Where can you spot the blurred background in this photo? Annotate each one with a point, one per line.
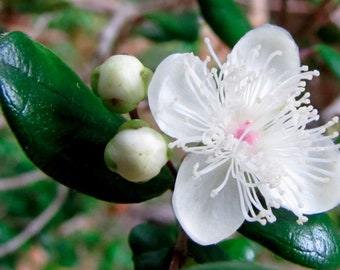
(45, 226)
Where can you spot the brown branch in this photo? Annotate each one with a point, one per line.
(21, 180)
(180, 251)
(319, 17)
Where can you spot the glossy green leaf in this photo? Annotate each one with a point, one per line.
(152, 246)
(61, 125)
(205, 254)
(240, 249)
(315, 244)
(331, 57)
(226, 19)
(166, 26)
(228, 266)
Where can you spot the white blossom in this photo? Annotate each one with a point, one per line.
(245, 127)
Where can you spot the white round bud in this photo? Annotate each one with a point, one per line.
(121, 82)
(137, 154)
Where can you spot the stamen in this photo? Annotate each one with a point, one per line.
(212, 52)
(208, 168)
(302, 219)
(217, 190)
(271, 57)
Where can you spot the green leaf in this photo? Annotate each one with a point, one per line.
(331, 57)
(228, 266)
(166, 26)
(154, 55)
(240, 249)
(204, 254)
(61, 125)
(152, 246)
(226, 19)
(35, 6)
(315, 244)
(329, 33)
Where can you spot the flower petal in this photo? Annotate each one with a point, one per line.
(308, 191)
(271, 51)
(176, 96)
(318, 196)
(206, 220)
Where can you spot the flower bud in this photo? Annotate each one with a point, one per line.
(121, 82)
(137, 153)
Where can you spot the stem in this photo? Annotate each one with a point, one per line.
(306, 53)
(283, 13)
(134, 114)
(173, 170)
(318, 18)
(180, 251)
(21, 180)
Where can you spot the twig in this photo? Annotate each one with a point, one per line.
(259, 12)
(3, 122)
(318, 18)
(111, 31)
(180, 251)
(21, 180)
(134, 114)
(36, 225)
(306, 53)
(283, 13)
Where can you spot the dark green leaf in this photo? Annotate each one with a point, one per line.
(148, 237)
(329, 33)
(204, 254)
(34, 6)
(152, 246)
(315, 244)
(153, 56)
(153, 260)
(331, 57)
(228, 266)
(240, 249)
(166, 26)
(226, 19)
(61, 125)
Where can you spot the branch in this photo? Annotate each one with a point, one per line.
(319, 17)
(36, 225)
(3, 122)
(180, 251)
(112, 30)
(21, 180)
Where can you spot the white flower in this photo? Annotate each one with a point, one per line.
(245, 128)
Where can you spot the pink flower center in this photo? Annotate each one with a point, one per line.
(242, 132)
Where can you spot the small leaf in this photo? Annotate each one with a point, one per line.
(152, 246)
(331, 57)
(240, 249)
(204, 254)
(226, 19)
(315, 244)
(166, 26)
(61, 125)
(228, 266)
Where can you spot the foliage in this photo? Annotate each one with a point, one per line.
(63, 129)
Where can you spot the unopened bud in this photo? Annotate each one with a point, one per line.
(137, 153)
(121, 82)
